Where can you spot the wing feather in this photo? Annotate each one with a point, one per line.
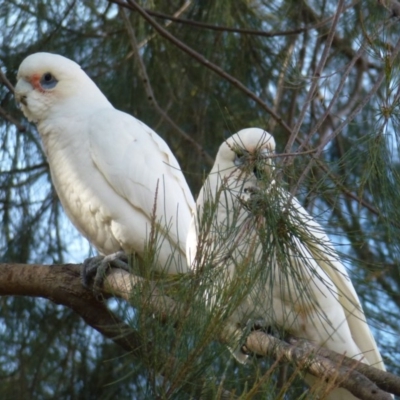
(137, 164)
(326, 256)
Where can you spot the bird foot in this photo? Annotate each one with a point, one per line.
(95, 268)
(262, 325)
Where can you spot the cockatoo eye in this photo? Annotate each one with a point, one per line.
(48, 81)
(257, 173)
(239, 157)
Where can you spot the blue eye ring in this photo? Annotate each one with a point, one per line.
(48, 81)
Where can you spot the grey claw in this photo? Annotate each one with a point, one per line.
(95, 268)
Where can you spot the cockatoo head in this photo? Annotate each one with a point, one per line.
(247, 152)
(47, 81)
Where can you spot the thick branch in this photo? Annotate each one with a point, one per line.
(121, 283)
(62, 285)
(385, 380)
(315, 361)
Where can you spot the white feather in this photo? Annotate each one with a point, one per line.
(108, 168)
(283, 268)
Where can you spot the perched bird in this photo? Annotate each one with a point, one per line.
(117, 180)
(265, 261)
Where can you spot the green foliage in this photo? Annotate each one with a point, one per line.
(350, 184)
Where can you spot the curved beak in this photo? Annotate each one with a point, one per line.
(21, 90)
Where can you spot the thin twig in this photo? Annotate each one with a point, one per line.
(393, 6)
(150, 94)
(242, 31)
(288, 52)
(6, 82)
(338, 91)
(317, 74)
(346, 122)
(202, 60)
(176, 14)
(295, 154)
(26, 169)
(3, 112)
(11, 119)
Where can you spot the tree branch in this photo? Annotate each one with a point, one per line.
(6, 82)
(384, 380)
(391, 5)
(4, 114)
(150, 94)
(317, 73)
(242, 31)
(326, 364)
(367, 97)
(62, 285)
(202, 60)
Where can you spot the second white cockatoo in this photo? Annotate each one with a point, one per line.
(264, 260)
(116, 178)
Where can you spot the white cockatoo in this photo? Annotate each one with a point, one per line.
(115, 177)
(264, 260)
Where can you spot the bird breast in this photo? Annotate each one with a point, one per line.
(91, 204)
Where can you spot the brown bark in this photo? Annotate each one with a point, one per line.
(62, 285)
